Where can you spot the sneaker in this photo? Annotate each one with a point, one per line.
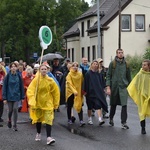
(101, 122)
(73, 119)
(111, 122)
(1, 120)
(82, 123)
(125, 126)
(50, 140)
(38, 137)
(9, 124)
(15, 128)
(90, 122)
(69, 121)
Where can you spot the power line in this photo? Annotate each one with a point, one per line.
(141, 5)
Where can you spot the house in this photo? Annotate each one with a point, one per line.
(82, 38)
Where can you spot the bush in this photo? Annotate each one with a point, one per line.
(147, 54)
(135, 63)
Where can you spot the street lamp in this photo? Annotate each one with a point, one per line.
(119, 36)
(98, 30)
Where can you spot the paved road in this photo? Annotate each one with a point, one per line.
(77, 138)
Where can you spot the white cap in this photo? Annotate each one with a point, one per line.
(36, 66)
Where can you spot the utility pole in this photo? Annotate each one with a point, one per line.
(119, 36)
(98, 30)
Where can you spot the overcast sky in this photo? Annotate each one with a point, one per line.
(89, 1)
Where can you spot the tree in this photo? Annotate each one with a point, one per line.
(147, 54)
(21, 20)
(65, 18)
(19, 25)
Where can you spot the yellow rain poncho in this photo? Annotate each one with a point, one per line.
(74, 85)
(43, 100)
(139, 91)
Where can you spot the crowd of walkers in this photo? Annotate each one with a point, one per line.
(41, 89)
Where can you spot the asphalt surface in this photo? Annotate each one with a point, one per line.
(73, 137)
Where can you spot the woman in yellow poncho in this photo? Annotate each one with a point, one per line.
(139, 91)
(44, 96)
(74, 95)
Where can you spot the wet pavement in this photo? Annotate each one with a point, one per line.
(73, 137)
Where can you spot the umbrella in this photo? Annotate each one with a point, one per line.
(50, 56)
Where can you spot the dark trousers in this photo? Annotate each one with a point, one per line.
(1, 108)
(142, 123)
(123, 113)
(70, 103)
(48, 128)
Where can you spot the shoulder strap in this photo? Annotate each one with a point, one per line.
(127, 64)
(114, 64)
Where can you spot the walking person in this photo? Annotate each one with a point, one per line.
(93, 88)
(74, 96)
(56, 71)
(84, 66)
(117, 79)
(26, 82)
(65, 70)
(12, 93)
(102, 70)
(2, 76)
(44, 96)
(139, 91)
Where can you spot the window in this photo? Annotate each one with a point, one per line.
(82, 29)
(88, 26)
(93, 52)
(88, 53)
(126, 22)
(68, 53)
(72, 54)
(82, 52)
(140, 22)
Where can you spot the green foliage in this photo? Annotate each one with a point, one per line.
(20, 21)
(147, 54)
(19, 24)
(135, 63)
(65, 17)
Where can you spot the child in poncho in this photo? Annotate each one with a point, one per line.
(139, 91)
(43, 97)
(74, 96)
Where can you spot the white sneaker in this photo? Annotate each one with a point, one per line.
(90, 122)
(38, 137)
(50, 140)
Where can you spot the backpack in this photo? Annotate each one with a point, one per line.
(114, 64)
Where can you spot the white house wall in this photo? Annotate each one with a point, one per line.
(85, 41)
(93, 41)
(78, 42)
(73, 43)
(131, 42)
